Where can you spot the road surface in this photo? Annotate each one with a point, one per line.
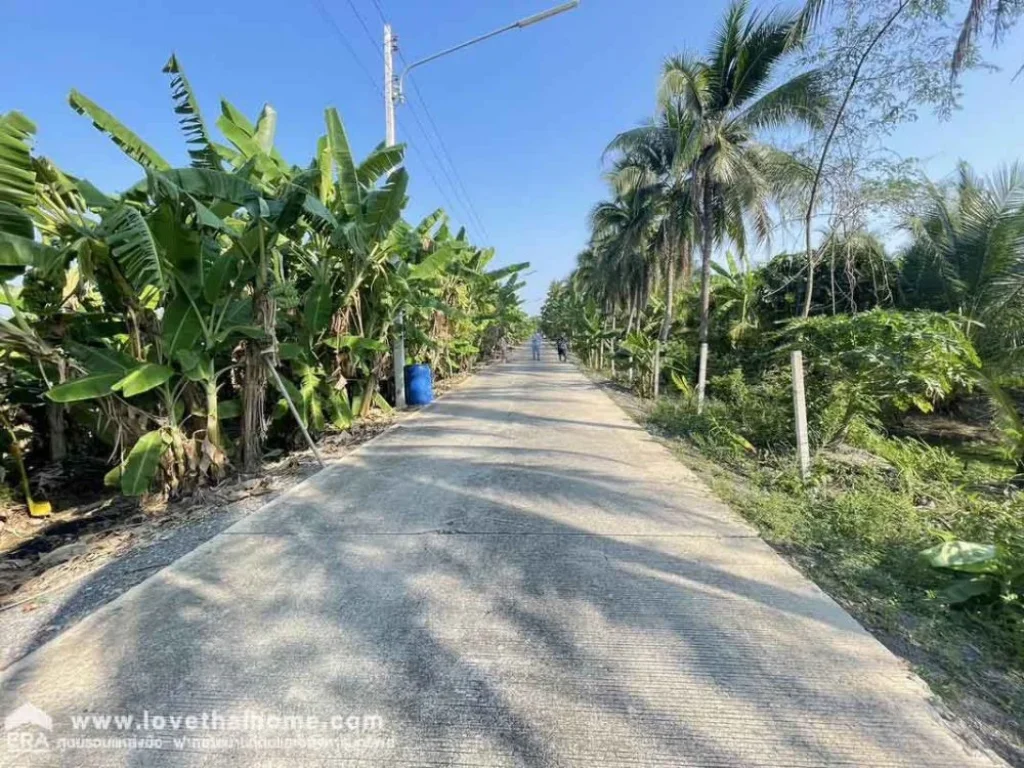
(518, 576)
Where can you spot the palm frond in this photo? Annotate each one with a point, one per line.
(686, 79)
(764, 43)
(802, 100)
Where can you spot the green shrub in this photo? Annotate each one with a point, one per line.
(711, 430)
(879, 364)
(761, 412)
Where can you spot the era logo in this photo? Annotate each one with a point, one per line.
(26, 729)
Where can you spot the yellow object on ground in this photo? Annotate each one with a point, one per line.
(39, 508)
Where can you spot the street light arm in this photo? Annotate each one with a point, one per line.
(453, 49)
(521, 24)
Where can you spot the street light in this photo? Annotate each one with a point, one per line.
(392, 95)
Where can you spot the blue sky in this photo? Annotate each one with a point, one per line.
(525, 116)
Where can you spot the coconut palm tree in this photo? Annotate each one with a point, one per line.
(648, 161)
(967, 257)
(726, 100)
(622, 230)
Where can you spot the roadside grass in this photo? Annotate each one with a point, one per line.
(857, 528)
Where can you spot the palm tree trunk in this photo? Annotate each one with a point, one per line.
(666, 324)
(635, 313)
(706, 245)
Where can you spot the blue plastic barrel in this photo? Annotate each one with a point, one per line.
(419, 384)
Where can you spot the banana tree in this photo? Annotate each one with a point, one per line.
(151, 317)
(350, 264)
(184, 307)
(736, 290)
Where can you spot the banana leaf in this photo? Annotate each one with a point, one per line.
(142, 463)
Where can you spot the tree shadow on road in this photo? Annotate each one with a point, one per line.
(496, 603)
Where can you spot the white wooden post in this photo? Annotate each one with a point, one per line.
(702, 376)
(800, 412)
(657, 369)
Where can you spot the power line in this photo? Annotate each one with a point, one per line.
(373, 81)
(380, 12)
(467, 208)
(344, 40)
(457, 186)
(366, 29)
(447, 154)
(440, 164)
(433, 178)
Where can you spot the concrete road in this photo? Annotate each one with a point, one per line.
(518, 576)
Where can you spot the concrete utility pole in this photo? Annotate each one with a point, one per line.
(392, 96)
(390, 43)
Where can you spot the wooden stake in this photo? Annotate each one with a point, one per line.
(294, 410)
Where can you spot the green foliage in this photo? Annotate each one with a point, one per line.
(201, 148)
(143, 461)
(865, 516)
(739, 417)
(84, 388)
(147, 319)
(142, 379)
(851, 274)
(995, 572)
(882, 362)
(127, 140)
(17, 177)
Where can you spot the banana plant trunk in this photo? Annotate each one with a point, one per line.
(254, 388)
(368, 396)
(56, 422)
(705, 292)
(212, 415)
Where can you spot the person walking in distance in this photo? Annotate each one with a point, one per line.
(563, 349)
(503, 348)
(535, 342)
